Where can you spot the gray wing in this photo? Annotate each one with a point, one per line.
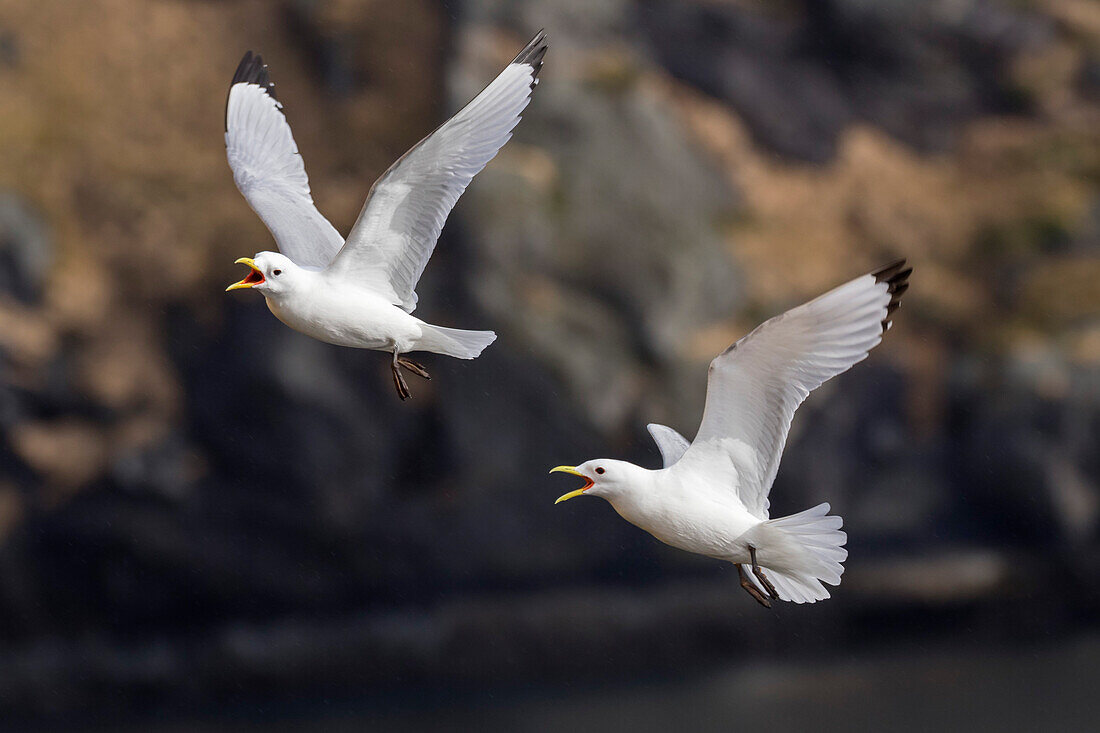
(268, 170)
(755, 386)
(400, 222)
(671, 444)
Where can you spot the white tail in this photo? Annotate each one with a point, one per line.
(454, 342)
(799, 552)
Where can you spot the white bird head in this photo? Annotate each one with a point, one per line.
(271, 273)
(604, 477)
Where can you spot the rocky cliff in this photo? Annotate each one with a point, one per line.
(194, 499)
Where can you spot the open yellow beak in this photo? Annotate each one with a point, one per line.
(575, 472)
(254, 278)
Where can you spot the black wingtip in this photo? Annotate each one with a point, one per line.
(532, 55)
(896, 277)
(251, 70)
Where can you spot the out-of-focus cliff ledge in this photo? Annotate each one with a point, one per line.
(111, 132)
(174, 460)
(997, 210)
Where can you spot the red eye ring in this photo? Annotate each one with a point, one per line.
(599, 470)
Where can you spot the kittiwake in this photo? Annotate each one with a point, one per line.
(711, 496)
(360, 292)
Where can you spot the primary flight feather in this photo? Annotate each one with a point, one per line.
(361, 292)
(711, 496)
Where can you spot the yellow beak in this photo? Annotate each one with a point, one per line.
(254, 278)
(575, 472)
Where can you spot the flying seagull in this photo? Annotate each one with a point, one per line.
(711, 496)
(360, 292)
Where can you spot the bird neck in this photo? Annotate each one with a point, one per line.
(634, 491)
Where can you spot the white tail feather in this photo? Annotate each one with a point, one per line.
(454, 342)
(800, 551)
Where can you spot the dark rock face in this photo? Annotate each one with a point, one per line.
(799, 75)
(252, 519)
(25, 250)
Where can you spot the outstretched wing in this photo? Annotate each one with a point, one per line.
(269, 171)
(671, 444)
(407, 207)
(755, 386)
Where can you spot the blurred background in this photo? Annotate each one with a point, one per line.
(211, 522)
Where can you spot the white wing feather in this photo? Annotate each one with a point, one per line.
(671, 444)
(755, 386)
(269, 171)
(405, 211)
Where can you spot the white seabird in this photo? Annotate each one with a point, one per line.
(360, 292)
(711, 497)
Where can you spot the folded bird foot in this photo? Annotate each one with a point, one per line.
(399, 384)
(413, 367)
(398, 379)
(749, 586)
(759, 573)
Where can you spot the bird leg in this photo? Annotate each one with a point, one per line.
(413, 367)
(751, 587)
(398, 380)
(759, 573)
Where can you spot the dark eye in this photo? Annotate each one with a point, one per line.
(276, 273)
(599, 470)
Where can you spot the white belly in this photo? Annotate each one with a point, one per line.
(354, 318)
(691, 520)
